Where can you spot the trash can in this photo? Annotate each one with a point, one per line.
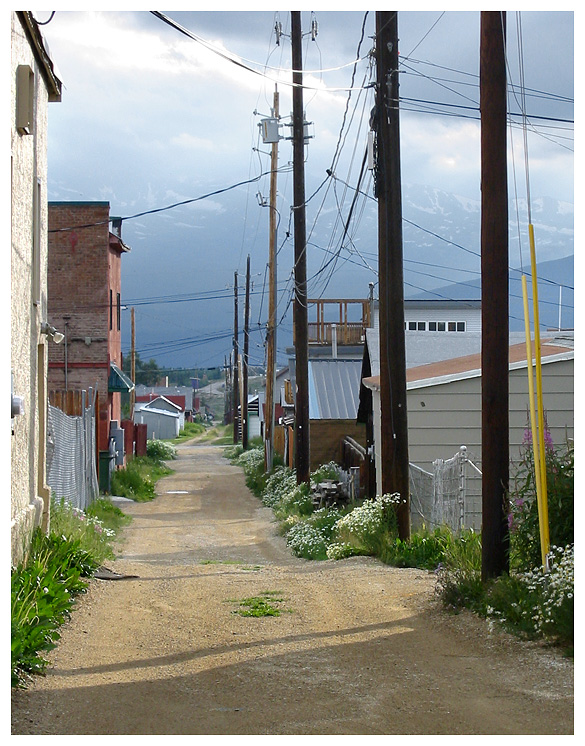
(105, 471)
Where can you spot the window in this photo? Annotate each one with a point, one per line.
(412, 326)
(111, 310)
(432, 326)
(461, 326)
(421, 326)
(440, 326)
(118, 309)
(451, 326)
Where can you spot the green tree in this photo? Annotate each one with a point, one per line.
(147, 374)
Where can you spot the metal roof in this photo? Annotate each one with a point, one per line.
(334, 387)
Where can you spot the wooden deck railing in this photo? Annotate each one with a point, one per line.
(320, 332)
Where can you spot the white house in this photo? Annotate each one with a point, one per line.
(444, 402)
(162, 418)
(34, 83)
(162, 403)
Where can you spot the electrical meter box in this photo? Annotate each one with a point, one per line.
(269, 129)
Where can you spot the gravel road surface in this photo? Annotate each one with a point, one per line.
(358, 649)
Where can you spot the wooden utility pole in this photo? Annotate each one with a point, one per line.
(271, 325)
(302, 446)
(132, 362)
(395, 469)
(245, 359)
(235, 376)
(226, 405)
(494, 295)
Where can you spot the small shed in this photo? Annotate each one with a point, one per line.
(162, 424)
(334, 386)
(168, 405)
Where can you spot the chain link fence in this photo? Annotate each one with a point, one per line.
(71, 456)
(450, 495)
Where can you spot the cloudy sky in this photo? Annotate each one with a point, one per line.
(163, 121)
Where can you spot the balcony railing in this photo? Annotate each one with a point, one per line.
(321, 332)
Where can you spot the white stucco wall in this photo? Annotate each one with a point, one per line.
(29, 495)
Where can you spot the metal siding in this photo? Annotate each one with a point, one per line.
(452, 414)
(334, 389)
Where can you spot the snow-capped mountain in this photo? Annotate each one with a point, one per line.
(441, 235)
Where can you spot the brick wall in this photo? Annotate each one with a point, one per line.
(84, 283)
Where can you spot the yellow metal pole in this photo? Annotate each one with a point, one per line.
(540, 406)
(533, 425)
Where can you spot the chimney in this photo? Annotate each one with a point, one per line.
(117, 226)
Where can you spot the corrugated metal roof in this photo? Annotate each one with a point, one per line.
(334, 387)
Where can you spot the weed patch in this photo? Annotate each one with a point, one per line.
(56, 570)
(137, 480)
(265, 604)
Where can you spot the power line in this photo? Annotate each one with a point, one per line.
(167, 207)
(238, 63)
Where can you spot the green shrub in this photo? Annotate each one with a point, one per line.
(424, 549)
(137, 480)
(296, 501)
(42, 596)
(459, 582)
(109, 515)
(307, 541)
(252, 462)
(95, 528)
(325, 472)
(371, 526)
(233, 452)
(523, 518)
(190, 430)
(340, 550)
(279, 484)
(537, 604)
(160, 450)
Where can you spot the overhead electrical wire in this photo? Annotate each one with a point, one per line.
(329, 180)
(173, 206)
(235, 61)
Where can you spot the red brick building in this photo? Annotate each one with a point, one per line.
(84, 302)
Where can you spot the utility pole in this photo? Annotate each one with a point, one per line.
(271, 325)
(395, 469)
(235, 376)
(132, 362)
(302, 459)
(226, 406)
(245, 360)
(494, 295)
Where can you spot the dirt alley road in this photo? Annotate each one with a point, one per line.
(361, 648)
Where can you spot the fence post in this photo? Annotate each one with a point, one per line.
(462, 456)
(437, 506)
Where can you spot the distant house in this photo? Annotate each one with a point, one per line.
(84, 281)
(442, 315)
(171, 403)
(34, 83)
(255, 415)
(162, 403)
(444, 402)
(161, 417)
(184, 396)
